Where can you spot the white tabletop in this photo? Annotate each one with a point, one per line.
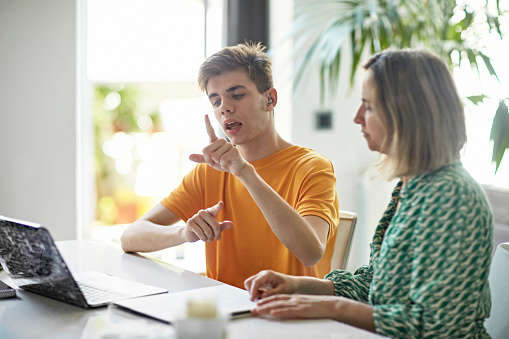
(34, 316)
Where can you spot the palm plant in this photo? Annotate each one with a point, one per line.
(326, 29)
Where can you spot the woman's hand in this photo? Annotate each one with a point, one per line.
(298, 306)
(267, 283)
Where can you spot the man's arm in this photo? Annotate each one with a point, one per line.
(151, 232)
(305, 237)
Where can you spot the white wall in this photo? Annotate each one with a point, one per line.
(360, 189)
(38, 77)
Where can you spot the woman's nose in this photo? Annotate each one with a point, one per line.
(358, 117)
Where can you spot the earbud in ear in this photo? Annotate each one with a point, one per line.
(269, 101)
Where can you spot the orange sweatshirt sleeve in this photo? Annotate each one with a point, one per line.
(318, 195)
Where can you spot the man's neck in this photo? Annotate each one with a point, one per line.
(263, 147)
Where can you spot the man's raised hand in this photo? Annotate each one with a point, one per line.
(220, 154)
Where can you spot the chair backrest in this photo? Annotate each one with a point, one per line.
(346, 227)
(497, 324)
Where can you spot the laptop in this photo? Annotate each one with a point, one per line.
(30, 257)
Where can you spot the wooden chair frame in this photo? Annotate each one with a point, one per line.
(346, 228)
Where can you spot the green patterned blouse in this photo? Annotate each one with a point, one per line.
(428, 270)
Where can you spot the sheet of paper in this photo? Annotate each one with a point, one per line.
(166, 307)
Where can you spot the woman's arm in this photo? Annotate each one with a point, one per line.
(309, 306)
(352, 286)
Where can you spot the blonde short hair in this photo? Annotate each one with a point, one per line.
(248, 56)
(420, 110)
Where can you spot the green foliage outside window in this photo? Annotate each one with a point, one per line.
(116, 110)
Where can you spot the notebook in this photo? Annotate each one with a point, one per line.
(230, 300)
(30, 257)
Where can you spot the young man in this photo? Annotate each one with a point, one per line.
(258, 201)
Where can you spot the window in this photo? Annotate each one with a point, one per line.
(142, 61)
(476, 156)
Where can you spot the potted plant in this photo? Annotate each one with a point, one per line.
(323, 28)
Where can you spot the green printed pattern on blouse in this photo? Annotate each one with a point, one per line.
(429, 263)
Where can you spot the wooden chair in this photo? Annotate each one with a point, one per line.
(346, 228)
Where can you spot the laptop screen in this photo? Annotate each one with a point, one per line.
(32, 260)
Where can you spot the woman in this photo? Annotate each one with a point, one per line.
(430, 256)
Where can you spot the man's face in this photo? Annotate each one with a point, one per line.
(239, 108)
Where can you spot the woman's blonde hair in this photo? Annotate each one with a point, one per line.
(249, 56)
(420, 110)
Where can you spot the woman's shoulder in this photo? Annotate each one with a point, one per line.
(446, 178)
(448, 183)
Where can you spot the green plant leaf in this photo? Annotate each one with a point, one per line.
(304, 61)
(499, 133)
(489, 66)
(356, 56)
(335, 74)
(322, 83)
(467, 21)
(477, 99)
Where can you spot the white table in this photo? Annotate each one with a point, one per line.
(34, 316)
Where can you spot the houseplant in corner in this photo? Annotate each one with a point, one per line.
(326, 30)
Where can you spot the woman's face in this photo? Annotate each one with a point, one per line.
(368, 114)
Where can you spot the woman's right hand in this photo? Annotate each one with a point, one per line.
(267, 283)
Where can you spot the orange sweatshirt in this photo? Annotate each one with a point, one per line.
(299, 175)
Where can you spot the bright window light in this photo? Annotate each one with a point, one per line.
(155, 40)
(476, 155)
(142, 60)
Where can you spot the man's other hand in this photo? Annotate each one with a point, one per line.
(204, 226)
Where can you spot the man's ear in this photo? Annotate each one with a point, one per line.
(271, 94)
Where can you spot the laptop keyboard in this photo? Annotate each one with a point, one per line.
(98, 296)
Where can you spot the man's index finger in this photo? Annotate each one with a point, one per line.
(210, 129)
